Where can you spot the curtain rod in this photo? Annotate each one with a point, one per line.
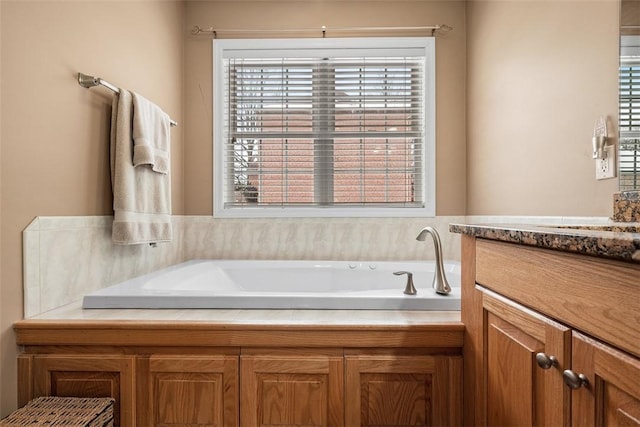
(196, 30)
(87, 81)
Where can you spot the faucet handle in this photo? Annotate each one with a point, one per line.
(409, 288)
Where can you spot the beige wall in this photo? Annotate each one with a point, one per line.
(1, 205)
(539, 75)
(55, 133)
(450, 78)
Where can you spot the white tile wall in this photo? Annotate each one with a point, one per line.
(330, 238)
(67, 257)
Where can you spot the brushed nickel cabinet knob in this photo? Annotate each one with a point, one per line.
(545, 361)
(574, 380)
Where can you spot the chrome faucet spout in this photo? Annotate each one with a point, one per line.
(440, 283)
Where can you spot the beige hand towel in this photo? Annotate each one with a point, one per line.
(141, 197)
(151, 135)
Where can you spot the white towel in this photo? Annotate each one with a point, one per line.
(151, 135)
(141, 197)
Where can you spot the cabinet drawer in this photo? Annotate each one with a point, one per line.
(579, 291)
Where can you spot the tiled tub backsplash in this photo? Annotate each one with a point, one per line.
(310, 238)
(68, 257)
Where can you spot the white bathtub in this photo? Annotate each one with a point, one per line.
(282, 285)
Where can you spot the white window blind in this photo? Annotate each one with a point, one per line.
(629, 153)
(323, 127)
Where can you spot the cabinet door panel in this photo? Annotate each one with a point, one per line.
(291, 391)
(403, 390)
(612, 395)
(292, 399)
(184, 399)
(188, 390)
(518, 391)
(620, 408)
(85, 384)
(88, 376)
(395, 399)
(511, 374)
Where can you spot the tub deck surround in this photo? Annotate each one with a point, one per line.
(314, 329)
(71, 324)
(618, 241)
(74, 312)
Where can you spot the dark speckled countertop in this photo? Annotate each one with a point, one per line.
(619, 241)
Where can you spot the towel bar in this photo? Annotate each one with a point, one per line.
(87, 81)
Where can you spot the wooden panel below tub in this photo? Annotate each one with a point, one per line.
(149, 366)
(202, 334)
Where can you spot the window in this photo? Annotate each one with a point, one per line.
(629, 92)
(324, 127)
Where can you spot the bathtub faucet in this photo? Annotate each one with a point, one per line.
(440, 283)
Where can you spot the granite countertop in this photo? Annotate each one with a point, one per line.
(619, 241)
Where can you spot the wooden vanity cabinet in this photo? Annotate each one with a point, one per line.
(521, 307)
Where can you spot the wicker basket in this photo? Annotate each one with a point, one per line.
(63, 411)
